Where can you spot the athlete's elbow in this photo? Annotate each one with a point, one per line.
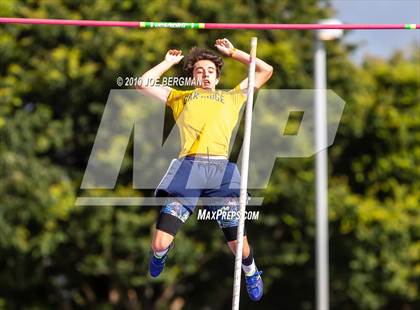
(266, 71)
(263, 76)
(269, 71)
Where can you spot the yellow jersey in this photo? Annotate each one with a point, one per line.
(206, 119)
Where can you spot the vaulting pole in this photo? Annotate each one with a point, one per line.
(244, 176)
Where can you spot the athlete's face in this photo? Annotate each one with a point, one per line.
(206, 75)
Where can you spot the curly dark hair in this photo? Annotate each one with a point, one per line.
(198, 53)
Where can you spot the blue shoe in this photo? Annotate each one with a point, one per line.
(156, 265)
(254, 286)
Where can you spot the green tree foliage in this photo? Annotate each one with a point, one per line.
(375, 194)
(54, 84)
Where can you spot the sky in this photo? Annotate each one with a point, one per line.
(379, 42)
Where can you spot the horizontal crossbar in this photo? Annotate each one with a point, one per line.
(103, 23)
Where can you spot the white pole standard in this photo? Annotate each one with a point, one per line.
(321, 179)
(244, 177)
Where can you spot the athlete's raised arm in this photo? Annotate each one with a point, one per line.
(263, 70)
(146, 86)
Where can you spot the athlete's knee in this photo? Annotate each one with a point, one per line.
(161, 241)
